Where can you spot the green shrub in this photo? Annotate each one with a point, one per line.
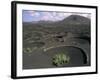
(27, 50)
(60, 59)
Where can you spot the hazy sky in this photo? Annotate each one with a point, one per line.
(31, 16)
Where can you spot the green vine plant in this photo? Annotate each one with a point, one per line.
(29, 49)
(60, 59)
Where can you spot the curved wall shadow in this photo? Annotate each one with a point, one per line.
(82, 51)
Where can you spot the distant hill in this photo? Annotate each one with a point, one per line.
(73, 23)
(76, 19)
